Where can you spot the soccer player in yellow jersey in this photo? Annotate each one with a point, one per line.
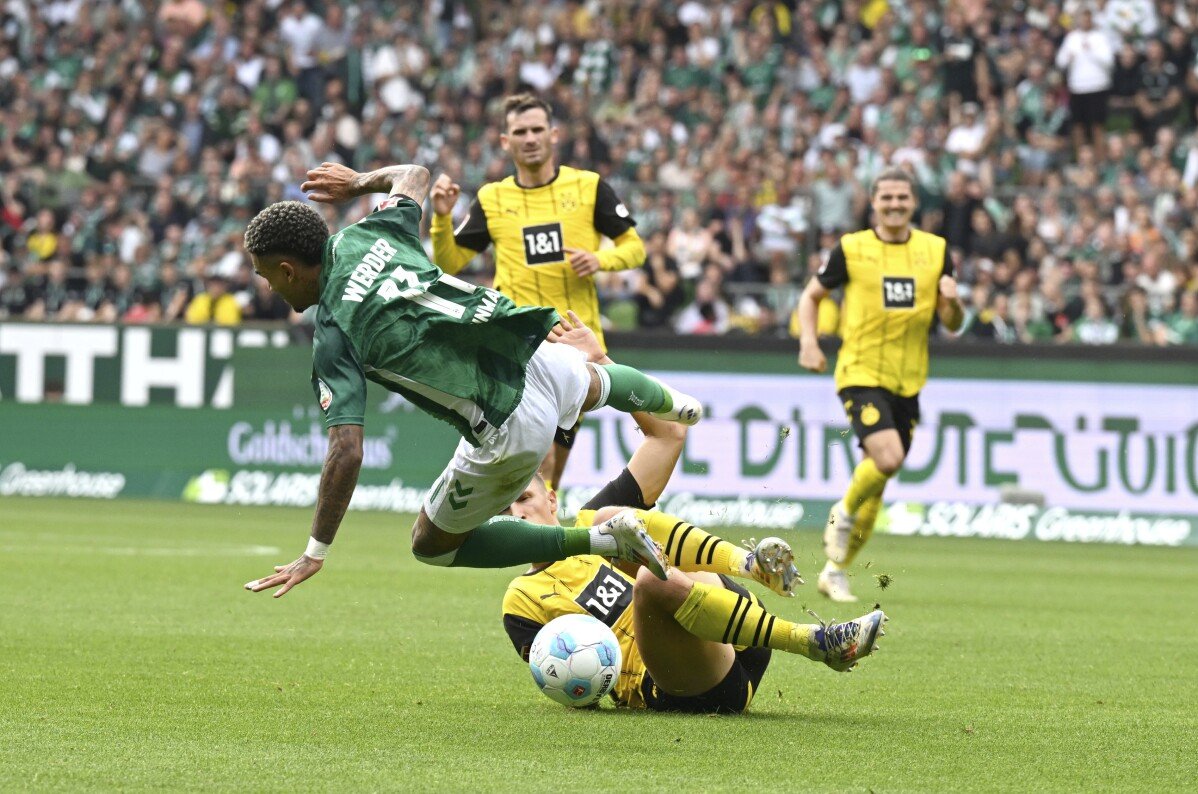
(696, 642)
(546, 223)
(896, 280)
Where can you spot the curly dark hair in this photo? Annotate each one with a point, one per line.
(288, 228)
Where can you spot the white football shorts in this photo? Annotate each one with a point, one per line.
(481, 482)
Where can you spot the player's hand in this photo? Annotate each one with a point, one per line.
(572, 331)
(811, 358)
(331, 183)
(948, 287)
(444, 194)
(585, 263)
(287, 575)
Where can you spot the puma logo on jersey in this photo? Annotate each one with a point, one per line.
(368, 270)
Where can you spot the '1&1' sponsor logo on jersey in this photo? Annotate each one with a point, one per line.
(326, 395)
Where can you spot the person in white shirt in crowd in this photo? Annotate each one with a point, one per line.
(1088, 59)
(967, 140)
(782, 224)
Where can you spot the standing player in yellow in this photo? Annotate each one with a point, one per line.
(546, 222)
(896, 280)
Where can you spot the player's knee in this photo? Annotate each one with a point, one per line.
(889, 461)
(430, 544)
(660, 594)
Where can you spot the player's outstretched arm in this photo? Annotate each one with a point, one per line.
(333, 183)
(338, 478)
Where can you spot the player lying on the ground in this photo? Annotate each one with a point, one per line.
(697, 641)
(463, 353)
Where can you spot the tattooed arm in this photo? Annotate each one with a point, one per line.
(332, 183)
(342, 463)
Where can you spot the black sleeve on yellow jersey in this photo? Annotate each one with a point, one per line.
(948, 263)
(472, 231)
(623, 491)
(835, 271)
(612, 218)
(522, 632)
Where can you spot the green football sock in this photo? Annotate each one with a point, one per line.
(629, 390)
(504, 541)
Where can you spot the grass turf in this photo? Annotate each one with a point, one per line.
(133, 660)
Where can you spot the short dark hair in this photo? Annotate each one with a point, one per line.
(518, 103)
(893, 174)
(288, 228)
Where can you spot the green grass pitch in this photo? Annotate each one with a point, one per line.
(131, 658)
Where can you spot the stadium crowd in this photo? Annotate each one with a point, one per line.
(1054, 145)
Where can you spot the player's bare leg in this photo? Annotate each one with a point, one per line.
(554, 464)
(680, 663)
(561, 454)
(430, 541)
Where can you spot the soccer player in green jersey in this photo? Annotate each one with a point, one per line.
(463, 353)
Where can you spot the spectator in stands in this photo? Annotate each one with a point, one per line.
(1094, 327)
(215, 304)
(722, 107)
(1181, 327)
(1088, 59)
(659, 292)
(708, 314)
(1159, 96)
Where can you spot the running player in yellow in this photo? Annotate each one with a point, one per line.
(696, 642)
(546, 223)
(896, 280)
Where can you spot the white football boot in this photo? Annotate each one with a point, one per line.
(834, 583)
(771, 562)
(633, 543)
(845, 644)
(685, 409)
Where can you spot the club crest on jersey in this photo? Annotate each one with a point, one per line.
(326, 395)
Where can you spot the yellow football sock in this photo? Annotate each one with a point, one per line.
(719, 615)
(689, 548)
(867, 483)
(863, 527)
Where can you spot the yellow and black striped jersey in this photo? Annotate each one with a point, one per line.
(531, 229)
(891, 291)
(584, 585)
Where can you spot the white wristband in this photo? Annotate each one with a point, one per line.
(316, 549)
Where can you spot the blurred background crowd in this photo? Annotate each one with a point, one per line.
(1054, 145)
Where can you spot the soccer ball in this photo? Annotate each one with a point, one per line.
(575, 660)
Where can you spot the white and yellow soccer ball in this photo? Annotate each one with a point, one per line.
(575, 660)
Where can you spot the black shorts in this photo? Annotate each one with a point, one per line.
(1089, 109)
(730, 696)
(871, 409)
(564, 437)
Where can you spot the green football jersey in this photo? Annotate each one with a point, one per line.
(388, 314)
